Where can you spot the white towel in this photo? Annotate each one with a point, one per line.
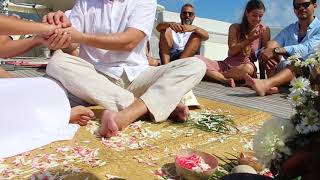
(33, 112)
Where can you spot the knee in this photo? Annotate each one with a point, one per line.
(56, 63)
(248, 69)
(195, 38)
(198, 66)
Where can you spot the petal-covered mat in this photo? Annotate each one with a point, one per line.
(138, 153)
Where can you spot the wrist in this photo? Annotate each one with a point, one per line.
(84, 39)
(279, 51)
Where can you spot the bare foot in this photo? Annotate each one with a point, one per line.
(273, 90)
(230, 82)
(256, 84)
(81, 115)
(180, 114)
(111, 123)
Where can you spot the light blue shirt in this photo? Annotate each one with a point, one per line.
(288, 39)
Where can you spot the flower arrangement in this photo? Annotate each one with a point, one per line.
(212, 121)
(277, 140)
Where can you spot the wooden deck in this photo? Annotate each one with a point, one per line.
(277, 105)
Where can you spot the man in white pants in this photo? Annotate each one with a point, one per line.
(113, 71)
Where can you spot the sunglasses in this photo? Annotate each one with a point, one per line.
(188, 13)
(305, 5)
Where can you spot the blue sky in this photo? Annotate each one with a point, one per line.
(278, 12)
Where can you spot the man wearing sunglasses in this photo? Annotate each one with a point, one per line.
(180, 40)
(299, 38)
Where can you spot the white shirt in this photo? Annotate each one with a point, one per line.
(180, 40)
(106, 17)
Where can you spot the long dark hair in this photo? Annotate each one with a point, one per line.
(244, 25)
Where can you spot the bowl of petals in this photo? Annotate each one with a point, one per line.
(195, 165)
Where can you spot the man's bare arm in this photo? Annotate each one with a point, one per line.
(163, 26)
(204, 35)
(124, 41)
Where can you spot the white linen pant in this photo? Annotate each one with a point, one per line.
(160, 88)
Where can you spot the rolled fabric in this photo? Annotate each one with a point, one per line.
(33, 112)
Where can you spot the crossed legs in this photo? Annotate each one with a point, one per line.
(158, 90)
(234, 74)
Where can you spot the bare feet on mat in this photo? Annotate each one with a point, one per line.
(81, 115)
(273, 90)
(180, 114)
(256, 84)
(230, 82)
(111, 123)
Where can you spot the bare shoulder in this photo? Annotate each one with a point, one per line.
(235, 26)
(234, 29)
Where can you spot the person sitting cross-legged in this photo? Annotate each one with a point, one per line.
(244, 40)
(180, 40)
(112, 69)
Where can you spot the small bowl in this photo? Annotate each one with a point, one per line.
(187, 174)
(248, 158)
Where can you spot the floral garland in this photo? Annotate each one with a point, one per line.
(278, 139)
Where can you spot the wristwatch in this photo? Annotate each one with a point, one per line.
(277, 50)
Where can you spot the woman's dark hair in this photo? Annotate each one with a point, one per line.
(244, 25)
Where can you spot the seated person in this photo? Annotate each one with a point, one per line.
(180, 40)
(13, 26)
(300, 38)
(113, 70)
(244, 40)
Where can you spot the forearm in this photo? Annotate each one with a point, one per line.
(163, 26)
(202, 33)
(13, 48)
(236, 49)
(10, 26)
(115, 41)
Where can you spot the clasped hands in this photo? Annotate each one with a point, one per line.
(61, 34)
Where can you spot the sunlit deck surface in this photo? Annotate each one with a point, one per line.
(277, 105)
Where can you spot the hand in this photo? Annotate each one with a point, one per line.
(179, 28)
(267, 57)
(189, 28)
(57, 18)
(59, 40)
(76, 36)
(50, 30)
(256, 33)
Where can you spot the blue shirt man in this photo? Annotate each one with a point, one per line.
(300, 38)
(293, 43)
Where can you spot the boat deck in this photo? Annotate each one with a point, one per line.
(276, 105)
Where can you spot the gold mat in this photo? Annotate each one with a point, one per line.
(165, 140)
